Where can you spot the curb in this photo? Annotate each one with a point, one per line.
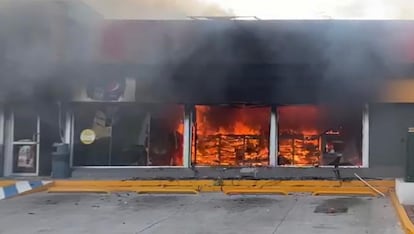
(4, 183)
(230, 186)
(408, 226)
(22, 187)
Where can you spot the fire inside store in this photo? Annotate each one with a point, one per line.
(238, 135)
(209, 93)
(307, 136)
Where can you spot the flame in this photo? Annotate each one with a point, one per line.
(231, 136)
(300, 148)
(300, 142)
(305, 132)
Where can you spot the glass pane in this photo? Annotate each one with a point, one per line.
(166, 139)
(25, 124)
(129, 135)
(24, 158)
(95, 118)
(147, 135)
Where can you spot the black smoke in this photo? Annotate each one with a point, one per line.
(46, 49)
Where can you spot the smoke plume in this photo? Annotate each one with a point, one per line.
(53, 43)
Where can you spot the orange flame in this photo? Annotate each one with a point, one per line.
(231, 136)
(299, 135)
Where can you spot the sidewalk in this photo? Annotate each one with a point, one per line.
(203, 213)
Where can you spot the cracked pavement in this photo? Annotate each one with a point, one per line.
(124, 213)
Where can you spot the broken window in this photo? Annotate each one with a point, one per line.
(231, 136)
(317, 135)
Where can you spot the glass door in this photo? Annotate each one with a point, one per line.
(25, 144)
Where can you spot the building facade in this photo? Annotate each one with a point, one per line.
(220, 99)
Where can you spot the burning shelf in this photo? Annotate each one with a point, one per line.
(231, 136)
(232, 150)
(299, 149)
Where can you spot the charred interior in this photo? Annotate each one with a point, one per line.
(129, 135)
(123, 84)
(222, 135)
(316, 135)
(231, 136)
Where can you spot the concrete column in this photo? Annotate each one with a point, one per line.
(188, 113)
(273, 141)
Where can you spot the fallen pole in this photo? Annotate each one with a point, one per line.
(370, 186)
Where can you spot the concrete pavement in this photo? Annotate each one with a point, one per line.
(124, 213)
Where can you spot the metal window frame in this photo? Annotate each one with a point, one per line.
(365, 137)
(187, 141)
(70, 133)
(10, 143)
(273, 138)
(365, 143)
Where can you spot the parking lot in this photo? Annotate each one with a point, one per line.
(204, 213)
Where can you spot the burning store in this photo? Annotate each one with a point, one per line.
(203, 115)
(206, 99)
(314, 136)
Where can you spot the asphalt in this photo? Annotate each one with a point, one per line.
(205, 213)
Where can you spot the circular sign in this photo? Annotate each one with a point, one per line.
(87, 136)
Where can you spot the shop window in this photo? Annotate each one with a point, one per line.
(231, 136)
(128, 135)
(316, 135)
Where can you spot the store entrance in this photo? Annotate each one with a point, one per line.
(22, 150)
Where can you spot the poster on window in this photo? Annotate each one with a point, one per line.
(105, 90)
(26, 157)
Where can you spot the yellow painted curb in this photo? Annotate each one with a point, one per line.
(263, 191)
(284, 186)
(402, 214)
(4, 183)
(254, 183)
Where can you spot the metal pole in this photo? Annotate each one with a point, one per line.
(273, 137)
(365, 136)
(188, 111)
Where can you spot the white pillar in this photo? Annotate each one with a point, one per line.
(273, 141)
(365, 136)
(67, 131)
(188, 113)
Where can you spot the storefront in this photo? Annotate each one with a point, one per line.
(147, 110)
(169, 135)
